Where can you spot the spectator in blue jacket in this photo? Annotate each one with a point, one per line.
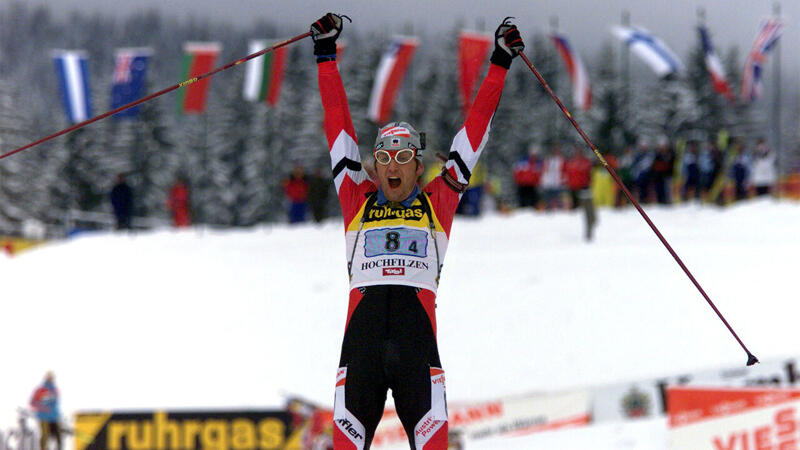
(122, 202)
(44, 402)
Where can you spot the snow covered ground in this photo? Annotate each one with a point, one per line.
(205, 318)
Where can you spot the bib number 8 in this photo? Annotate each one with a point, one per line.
(392, 241)
(395, 241)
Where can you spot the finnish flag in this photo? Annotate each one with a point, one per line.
(72, 68)
(651, 49)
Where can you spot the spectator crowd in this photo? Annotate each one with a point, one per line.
(664, 173)
(716, 171)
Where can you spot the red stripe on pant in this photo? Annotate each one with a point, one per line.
(438, 441)
(341, 441)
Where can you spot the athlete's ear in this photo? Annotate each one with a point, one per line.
(420, 168)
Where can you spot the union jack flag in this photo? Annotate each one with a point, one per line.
(765, 40)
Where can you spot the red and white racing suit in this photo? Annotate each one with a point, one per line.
(395, 253)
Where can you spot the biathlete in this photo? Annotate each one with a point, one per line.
(397, 235)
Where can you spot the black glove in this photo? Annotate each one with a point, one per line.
(507, 44)
(324, 33)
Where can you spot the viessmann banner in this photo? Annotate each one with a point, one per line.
(734, 418)
(648, 398)
(166, 430)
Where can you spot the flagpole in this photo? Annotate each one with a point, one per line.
(552, 119)
(626, 70)
(776, 104)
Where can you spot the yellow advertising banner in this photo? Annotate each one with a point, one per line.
(185, 430)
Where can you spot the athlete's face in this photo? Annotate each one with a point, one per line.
(398, 180)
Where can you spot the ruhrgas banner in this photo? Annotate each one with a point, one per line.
(168, 430)
(734, 418)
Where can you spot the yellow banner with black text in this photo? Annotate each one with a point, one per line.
(184, 430)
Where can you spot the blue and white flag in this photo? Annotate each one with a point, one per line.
(130, 79)
(768, 35)
(651, 49)
(72, 68)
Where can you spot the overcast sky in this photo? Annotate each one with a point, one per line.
(585, 22)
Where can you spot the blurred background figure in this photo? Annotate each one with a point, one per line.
(661, 171)
(296, 189)
(527, 176)
(640, 170)
(710, 165)
(470, 204)
(740, 170)
(318, 188)
(691, 172)
(44, 403)
(578, 172)
(625, 172)
(553, 179)
(122, 202)
(764, 173)
(178, 203)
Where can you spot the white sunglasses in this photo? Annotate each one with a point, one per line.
(404, 156)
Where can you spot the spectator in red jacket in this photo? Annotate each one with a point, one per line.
(578, 171)
(296, 189)
(178, 203)
(527, 176)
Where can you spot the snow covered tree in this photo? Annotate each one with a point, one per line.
(610, 132)
(19, 197)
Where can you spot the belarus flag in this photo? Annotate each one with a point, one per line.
(199, 59)
(389, 78)
(264, 75)
(72, 68)
(714, 66)
(581, 90)
(472, 51)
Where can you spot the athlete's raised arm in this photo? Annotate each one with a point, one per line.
(349, 176)
(471, 138)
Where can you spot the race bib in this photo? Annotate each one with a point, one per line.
(396, 241)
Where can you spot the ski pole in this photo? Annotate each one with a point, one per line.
(157, 94)
(751, 358)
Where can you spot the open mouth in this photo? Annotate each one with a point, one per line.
(394, 182)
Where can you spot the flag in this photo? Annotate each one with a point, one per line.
(581, 90)
(765, 40)
(651, 49)
(389, 78)
(264, 75)
(472, 51)
(714, 66)
(341, 46)
(198, 59)
(129, 79)
(72, 68)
